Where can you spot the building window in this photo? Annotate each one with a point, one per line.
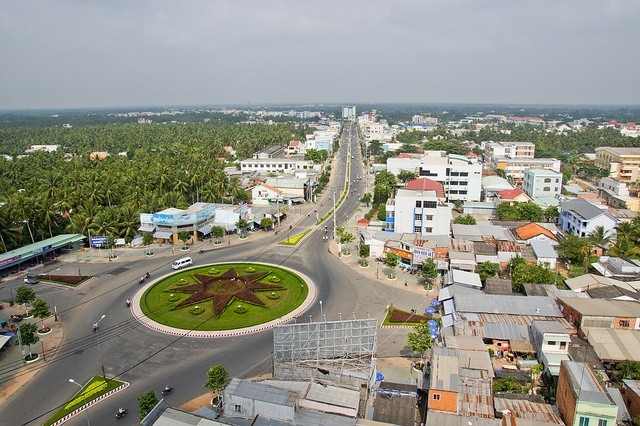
(428, 230)
(464, 174)
(625, 323)
(584, 421)
(418, 203)
(238, 408)
(546, 189)
(436, 397)
(416, 229)
(547, 180)
(428, 217)
(563, 345)
(430, 204)
(417, 216)
(551, 343)
(602, 422)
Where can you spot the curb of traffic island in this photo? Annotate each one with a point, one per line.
(304, 306)
(397, 326)
(80, 409)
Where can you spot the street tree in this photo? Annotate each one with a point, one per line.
(217, 378)
(242, 225)
(146, 402)
(184, 236)
(551, 213)
(346, 237)
(217, 232)
(364, 251)
(419, 340)
(28, 336)
(266, 223)
(429, 270)
(366, 198)
(147, 240)
(25, 295)
(40, 309)
(391, 260)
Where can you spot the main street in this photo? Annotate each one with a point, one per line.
(148, 359)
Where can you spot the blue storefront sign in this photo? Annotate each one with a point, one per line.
(97, 242)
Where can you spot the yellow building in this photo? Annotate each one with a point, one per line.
(622, 163)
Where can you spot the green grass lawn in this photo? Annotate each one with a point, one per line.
(97, 386)
(159, 302)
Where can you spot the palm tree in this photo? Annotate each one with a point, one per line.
(599, 237)
(624, 247)
(21, 209)
(626, 230)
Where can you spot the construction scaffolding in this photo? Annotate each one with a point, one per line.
(341, 353)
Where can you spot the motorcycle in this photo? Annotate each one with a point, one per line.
(128, 303)
(141, 280)
(167, 390)
(95, 327)
(121, 413)
(147, 275)
(16, 317)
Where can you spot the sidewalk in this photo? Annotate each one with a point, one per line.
(15, 377)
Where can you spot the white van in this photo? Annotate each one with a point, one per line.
(182, 263)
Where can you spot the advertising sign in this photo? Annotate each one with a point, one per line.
(206, 212)
(162, 219)
(97, 242)
(420, 255)
(9, 260)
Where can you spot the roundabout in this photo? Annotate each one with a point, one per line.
(223, 299)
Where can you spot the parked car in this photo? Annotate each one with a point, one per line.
(31, 279)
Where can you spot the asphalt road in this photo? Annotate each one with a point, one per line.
(149, 360)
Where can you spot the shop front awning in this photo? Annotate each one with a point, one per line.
(231, 228)
(147, 228)
(165, 235)
(206, 229)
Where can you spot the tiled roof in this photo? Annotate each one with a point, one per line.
(424, 184)
(531, 230)
(510, 194)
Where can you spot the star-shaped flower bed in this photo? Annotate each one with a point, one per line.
(224, 288)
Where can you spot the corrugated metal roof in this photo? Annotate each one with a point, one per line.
(262, 392)
(543, 249)
(614, 345)
(584, 383)
(505, 304)
(506, 331)
(526, 409)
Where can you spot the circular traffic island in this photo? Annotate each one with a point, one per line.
(224, 297)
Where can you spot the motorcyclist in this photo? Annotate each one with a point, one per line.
(95, 326)
(121, 411)
(128, 302)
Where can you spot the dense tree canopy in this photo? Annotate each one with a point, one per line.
(149, 168)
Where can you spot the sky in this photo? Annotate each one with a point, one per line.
(85, 54)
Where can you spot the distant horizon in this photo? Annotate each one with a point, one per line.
(318, 104)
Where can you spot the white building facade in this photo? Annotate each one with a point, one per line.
(580, 217)
(420, 212)
(542, 183)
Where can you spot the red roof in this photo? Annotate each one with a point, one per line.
(362, 222)
(510, 194)
(404, 155)
(423, 184)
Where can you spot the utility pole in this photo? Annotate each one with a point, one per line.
(334, 214)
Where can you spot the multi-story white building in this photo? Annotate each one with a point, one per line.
(494, 150)
(616, 194)
(349, 113)
(460, 176)
(515, 167)
(542, 183)
(580, 217)
(273, 159)
(418, 211)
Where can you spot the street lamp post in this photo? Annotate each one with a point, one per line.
(104, 374)
(321, 314)
(84, 399)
